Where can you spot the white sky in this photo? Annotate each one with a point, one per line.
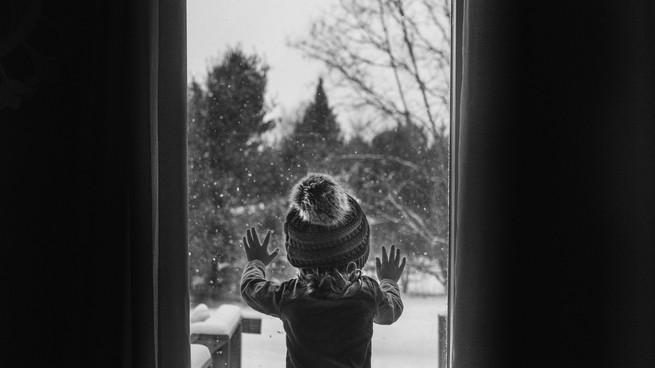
(263, 27)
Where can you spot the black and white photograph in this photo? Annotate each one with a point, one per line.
(328, 183)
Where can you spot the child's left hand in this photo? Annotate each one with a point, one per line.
(256, 251)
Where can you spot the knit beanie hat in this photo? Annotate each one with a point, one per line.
(325, 227)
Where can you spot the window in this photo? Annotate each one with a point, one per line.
(356, 89)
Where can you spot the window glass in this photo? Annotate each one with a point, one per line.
(355, 89)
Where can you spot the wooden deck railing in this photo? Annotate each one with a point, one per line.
(217, 336)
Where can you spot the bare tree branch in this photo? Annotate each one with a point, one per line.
(392, 61)
(409, 164)
(419, 80)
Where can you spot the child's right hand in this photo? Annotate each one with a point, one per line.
(256, 250)
(390, 268)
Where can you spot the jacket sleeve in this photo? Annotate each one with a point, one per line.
(388, 302)
(260, 294)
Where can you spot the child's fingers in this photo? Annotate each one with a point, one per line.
(392, 254)
(378, 265)
(266, 239)
(402, 264)
(245, 243)
(271, 257)
(251, 242)
(385, 259)
(254, 236)
(397, 258)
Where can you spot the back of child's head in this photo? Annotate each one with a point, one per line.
(327, 235)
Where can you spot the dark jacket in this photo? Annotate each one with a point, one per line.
(323, 332)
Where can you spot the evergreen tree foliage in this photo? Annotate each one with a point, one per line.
(225, 127)
(319, 124)
(315, 138)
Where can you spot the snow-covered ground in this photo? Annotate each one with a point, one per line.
(410, 342)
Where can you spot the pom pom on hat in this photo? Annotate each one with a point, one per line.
(325, 227)
(320, 200)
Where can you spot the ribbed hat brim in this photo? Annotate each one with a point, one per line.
(326, 247)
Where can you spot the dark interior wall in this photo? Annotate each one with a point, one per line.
(556, 265)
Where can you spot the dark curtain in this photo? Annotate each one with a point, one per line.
(93, 101)
(553, 185)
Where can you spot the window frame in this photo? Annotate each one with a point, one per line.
(457, 8)
(457, 29)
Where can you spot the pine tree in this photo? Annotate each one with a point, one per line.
(225, 125)
(315, 138)
(319, 124)
(236, 108)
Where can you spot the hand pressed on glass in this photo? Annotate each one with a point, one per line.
(256, 250)
(390, 268)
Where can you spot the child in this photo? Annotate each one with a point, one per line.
(328, 310)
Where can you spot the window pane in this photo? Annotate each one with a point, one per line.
(358, 90)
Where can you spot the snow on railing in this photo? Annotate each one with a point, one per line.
(199, 313)
(220, 333)
(201, 357)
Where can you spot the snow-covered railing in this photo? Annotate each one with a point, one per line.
(200, 356)
(220, 332)
(200, 313)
